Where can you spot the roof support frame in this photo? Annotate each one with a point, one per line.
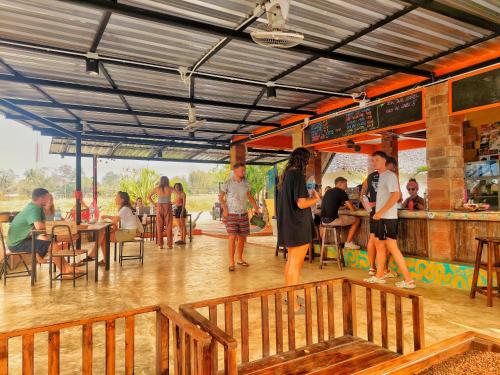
(179, 99)
(57, 51)
(58, 129)
(163, 18)
(80, 107)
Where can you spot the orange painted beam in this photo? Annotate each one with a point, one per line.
(410, 144)
(274, 142)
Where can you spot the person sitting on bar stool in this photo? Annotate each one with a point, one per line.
(332, 201)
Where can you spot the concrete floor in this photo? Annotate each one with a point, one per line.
(198, 271)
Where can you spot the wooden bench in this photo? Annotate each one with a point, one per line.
(181, 347)
(249, 329)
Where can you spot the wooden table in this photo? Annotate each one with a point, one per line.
(82, 228)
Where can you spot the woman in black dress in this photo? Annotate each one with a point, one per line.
(294, 215)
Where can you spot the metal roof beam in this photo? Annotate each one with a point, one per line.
(57, 51)
(58, 129)
(179, 99)
(163, 18)
(137, 139)
(100, 31)
(221, 161)
(347, 40)
(121, 111)
(127, 125)
(456, 14)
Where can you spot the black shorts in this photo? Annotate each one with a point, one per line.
(179, 212)
(386, 228)
(41, 247)
(372, 222)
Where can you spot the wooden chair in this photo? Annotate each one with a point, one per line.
(121, 246)
(490, 267)
(314, 343)
(7, 271)
(65, 232)
(179, 347)
(329, 232)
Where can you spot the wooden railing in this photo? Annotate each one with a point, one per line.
(178, 342)
(320, 307)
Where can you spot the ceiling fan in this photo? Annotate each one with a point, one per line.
(275, 33)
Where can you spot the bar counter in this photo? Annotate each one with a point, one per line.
(415, 231)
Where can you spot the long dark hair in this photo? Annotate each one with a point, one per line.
(178, 184)
(126, 199)
(298, 161)
(164, 183)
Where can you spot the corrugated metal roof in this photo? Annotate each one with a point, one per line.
(417, 34)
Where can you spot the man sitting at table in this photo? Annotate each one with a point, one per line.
(31, 217)
(332, 201)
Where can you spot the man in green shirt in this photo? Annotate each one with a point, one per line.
(31, 217)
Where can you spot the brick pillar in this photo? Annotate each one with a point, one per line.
(389, 145)
(445, 179)
(238, 153)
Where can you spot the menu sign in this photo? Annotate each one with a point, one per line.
(404, 109)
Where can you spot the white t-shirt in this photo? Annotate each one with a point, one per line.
(236, 195)
(127, 218)
(387, 184)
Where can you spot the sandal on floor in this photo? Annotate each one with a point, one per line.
(406, 285)
(87, 259)
(242, 263)
(232, 268)
(102, 263)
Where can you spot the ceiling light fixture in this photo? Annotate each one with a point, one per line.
(270, 90)
(92, 64)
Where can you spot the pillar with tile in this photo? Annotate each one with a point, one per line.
(445, 179)
(237, 153)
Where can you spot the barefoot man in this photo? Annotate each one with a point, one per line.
(233, 199)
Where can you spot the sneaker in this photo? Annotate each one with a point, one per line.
(406, 285)
(390, 274)
(375, 280)
(372, 272)
(351, 246)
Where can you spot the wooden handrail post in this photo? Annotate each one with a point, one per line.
(162, 335)
(110, 347)
(54, 352)
(28, 354)
(349, 308)
(87, 349)
(418, 322)
(4, 355)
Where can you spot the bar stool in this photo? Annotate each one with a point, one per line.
(490, 267)
(328, 232)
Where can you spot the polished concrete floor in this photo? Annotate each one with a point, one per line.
(198, 271)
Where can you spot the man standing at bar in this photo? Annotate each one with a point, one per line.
(233, 199)
(386, 223)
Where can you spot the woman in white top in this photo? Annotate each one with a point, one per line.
(124, 226)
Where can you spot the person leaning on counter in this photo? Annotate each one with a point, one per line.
(414, 201)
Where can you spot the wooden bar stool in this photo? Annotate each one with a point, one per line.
(327, 232)
(490, 267)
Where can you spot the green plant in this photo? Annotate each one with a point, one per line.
(139, 183)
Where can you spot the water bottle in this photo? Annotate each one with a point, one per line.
(366, 204)
(57, 214)
(91, 214)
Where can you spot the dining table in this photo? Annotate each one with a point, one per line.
(94, 229)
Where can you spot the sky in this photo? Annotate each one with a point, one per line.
(18, 144)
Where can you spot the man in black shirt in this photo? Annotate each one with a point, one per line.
(332, 201)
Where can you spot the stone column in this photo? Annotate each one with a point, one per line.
(297, 137)
(237, 153)
(445, 179)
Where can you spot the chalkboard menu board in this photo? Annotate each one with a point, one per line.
(404, 109)
(475, 91)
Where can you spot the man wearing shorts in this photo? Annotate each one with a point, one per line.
(385, 224)
(233, 198)
(31, 217)
(332, 201)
